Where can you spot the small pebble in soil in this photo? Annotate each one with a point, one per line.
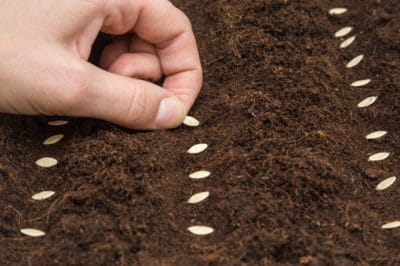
(46, 162)
(378, 156)
(191, 121)
(376, 134)
(360, 83)
(198, 148)
(346, 43)
(57, 123)
(391, 225)
(367, 101)
(199, 197)
(200, 230)
(386, 183)
(355, 61)
(32, 232)
(337, 11)
(199, 174)
(43, 195)
(343, 32)
(53, 139)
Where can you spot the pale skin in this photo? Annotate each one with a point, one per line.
(44, 49)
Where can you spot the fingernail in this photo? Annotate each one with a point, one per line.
(171, 113)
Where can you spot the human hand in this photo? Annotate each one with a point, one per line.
(44, 70)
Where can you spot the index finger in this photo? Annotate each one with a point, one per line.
(162, 24)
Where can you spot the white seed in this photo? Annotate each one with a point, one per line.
(386, 183)
(199, 197)
(337, 11)
(346, 43)
(53, 139)
(43, 195)
(191, 121)
(58, 123)
(376, 134)
(367, 101)
(200, 230)
(378, 156)
(355, 61)
(199, 174)
(198, 148)
(360, 83)
(32, 232)
(46, 162)
(391, 225)
(343, 32)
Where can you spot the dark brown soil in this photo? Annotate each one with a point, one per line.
(290, 180)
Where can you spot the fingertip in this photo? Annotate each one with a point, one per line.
(112, 51)
(171, 113)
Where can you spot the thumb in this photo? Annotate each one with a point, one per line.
(125, 101)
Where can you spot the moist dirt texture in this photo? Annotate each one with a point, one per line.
(290, 180)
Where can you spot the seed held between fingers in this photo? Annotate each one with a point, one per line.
(191, 121)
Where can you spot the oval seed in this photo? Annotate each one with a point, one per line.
(46, 162)
(378, 156)
(32, 232)
(53, 139)
(58, 123)
(198, 148)
(200, 230)
(199, 197)
(346, 43)
(199, 174)
(343, 32)
(376, 134)
(337, 11)
(43, 195)
(391, 225)
(386, 183)
(367, 101)
(355, 61)
(191, 121)
(360, 83)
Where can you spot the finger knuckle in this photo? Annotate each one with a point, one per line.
(187, 22)
(137, 107)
